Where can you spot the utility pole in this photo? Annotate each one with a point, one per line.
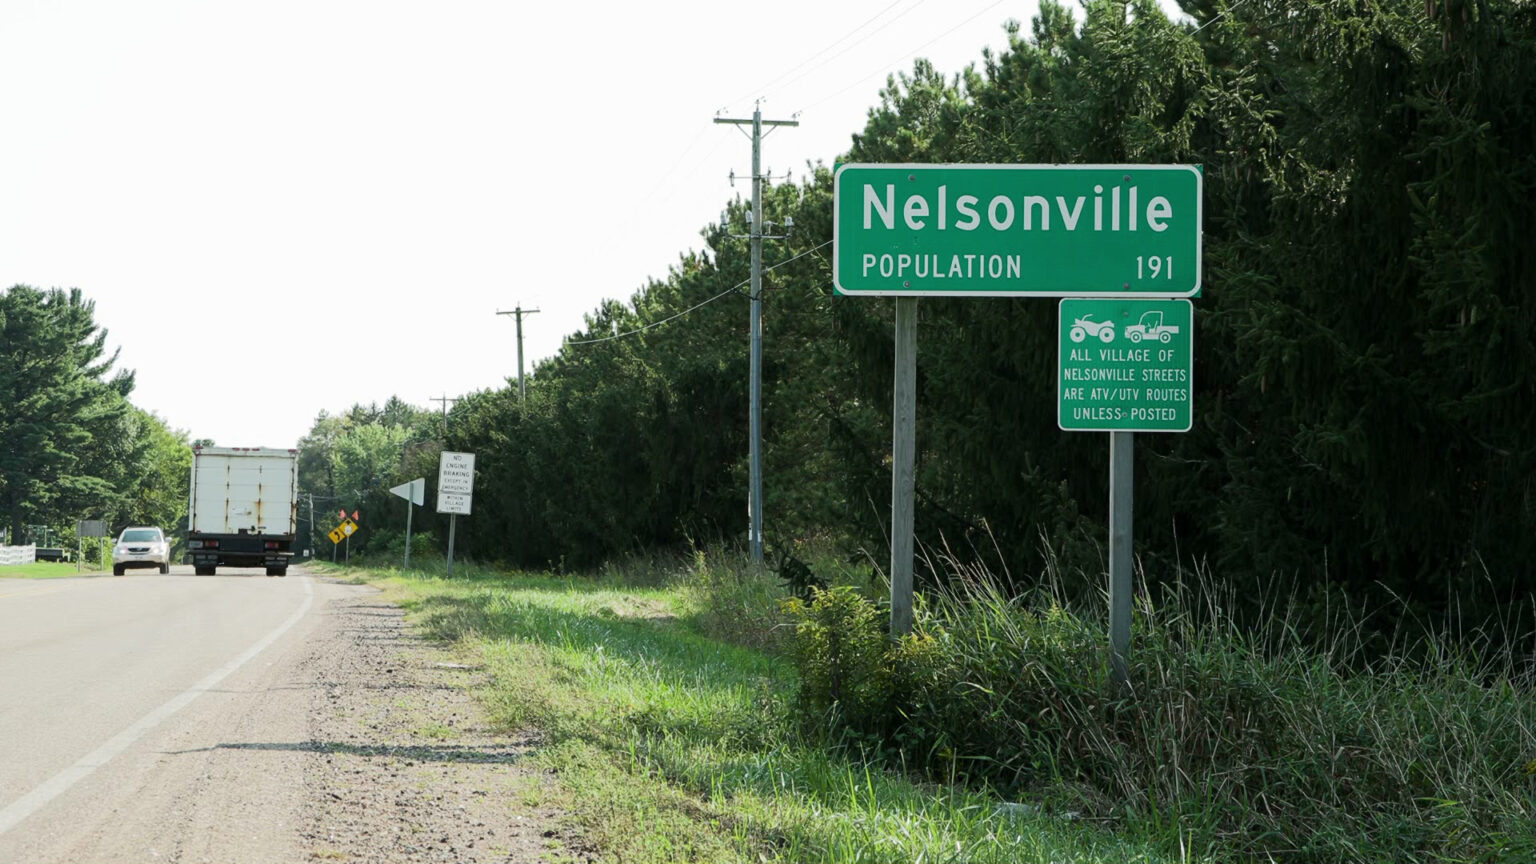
(445, 400)
(755, 231)
(519, 312)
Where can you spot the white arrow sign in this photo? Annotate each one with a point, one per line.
(414, 491)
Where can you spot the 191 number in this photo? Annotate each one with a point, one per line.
(1155, 266)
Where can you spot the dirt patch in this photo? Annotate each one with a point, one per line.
(407, 767)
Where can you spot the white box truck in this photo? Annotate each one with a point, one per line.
(244, 508)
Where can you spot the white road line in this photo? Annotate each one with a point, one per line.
(59, 783)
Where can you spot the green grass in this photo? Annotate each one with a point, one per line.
(681, 729)
(45, 570)
(1245, 744)
(671, 745)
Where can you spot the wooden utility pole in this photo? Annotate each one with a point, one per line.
(522, 393)
(755, 421)
(445, 399)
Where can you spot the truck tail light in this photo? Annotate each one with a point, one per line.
(271, 544)
(194, 544)
(210, 544)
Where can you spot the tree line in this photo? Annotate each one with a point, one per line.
(1365, 374)
(72, 445)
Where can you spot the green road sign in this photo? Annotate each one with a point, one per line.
(1125, 365)
(1011, 230)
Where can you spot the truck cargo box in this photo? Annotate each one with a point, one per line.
(243, 509)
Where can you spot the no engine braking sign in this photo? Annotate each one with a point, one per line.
(455, 483)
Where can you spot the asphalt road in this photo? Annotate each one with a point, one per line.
(124, 703)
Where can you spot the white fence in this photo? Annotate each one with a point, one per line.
(17, 554)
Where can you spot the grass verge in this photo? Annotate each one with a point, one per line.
(674, 746)
(45, 570)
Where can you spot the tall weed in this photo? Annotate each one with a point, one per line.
(1253, 743)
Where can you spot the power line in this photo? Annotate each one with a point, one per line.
(902, 14)
(885, 70)
(676, 164)
(1223, 14)
(833, 44)
(734, 289)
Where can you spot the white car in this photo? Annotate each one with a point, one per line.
(141, 547)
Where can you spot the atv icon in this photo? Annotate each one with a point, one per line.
(1151, 326)
(1084, 327)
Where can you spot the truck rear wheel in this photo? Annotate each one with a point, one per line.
(203, 571)
(277, 571)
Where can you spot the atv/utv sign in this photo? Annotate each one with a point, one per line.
(1017, 230)
(1125, 366)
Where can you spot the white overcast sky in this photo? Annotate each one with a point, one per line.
(289, 206)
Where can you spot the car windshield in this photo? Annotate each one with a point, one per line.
(141, 535)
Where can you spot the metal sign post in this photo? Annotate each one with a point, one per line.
(1128, 232)
(455, 491)
(903, 459)
(336, 537)
(342, 533)
(1122, 470)
(413, 493)
(88, 528)
(936, 230)
(1124, 365)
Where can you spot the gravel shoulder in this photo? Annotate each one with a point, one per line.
(351, 739)
(404, 765)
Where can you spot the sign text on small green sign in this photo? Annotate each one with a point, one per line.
(1125, 365)
(1011, 230)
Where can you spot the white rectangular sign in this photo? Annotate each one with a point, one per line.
(455, 482)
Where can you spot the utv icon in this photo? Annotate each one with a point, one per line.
(1151, 326)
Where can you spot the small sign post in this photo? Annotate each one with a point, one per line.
(455, 491)
(1124, 365)
(83, 529)
(347, 529)
(413, 493)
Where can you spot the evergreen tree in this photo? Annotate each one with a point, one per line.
(59, 412)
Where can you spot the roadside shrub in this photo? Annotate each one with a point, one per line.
(840, 652)
(727, 598)
(1233, 744)
(388, 546)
